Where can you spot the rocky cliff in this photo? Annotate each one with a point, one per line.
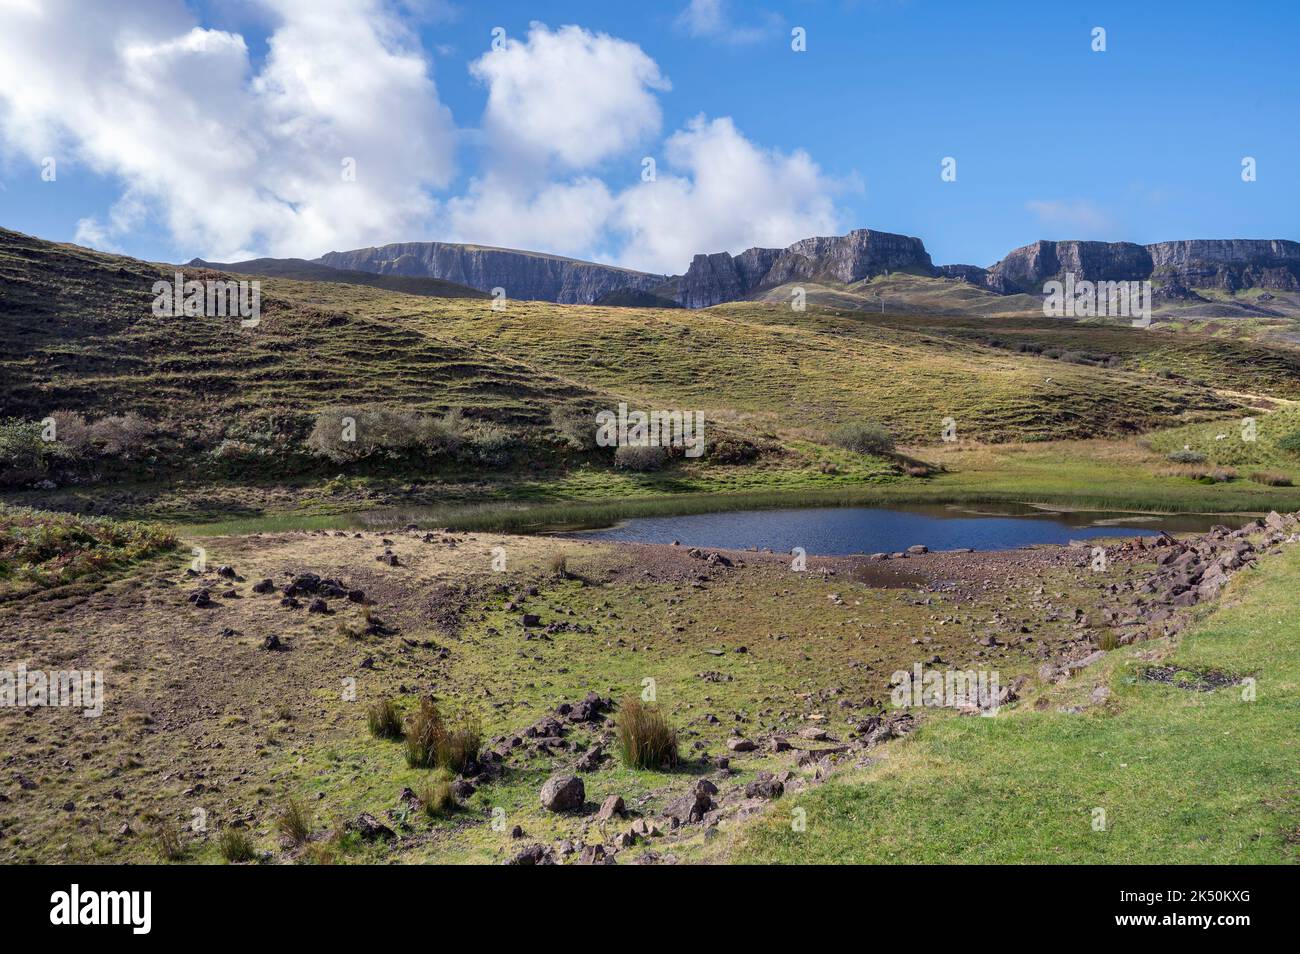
(860, 254)
(523, 275)
(1198, 263)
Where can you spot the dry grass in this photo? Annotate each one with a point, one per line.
(1271, 478)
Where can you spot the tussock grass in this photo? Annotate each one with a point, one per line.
(646, 740)
(166, 836)
(435, 794)
(383, 720)
(294, 821)
(235, 845)
(434, 741)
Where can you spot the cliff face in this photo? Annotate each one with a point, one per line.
(1228, 264)
(860, 254)
(523, 275)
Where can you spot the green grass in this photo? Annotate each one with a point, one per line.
(1183, 777)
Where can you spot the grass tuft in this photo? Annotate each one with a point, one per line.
(645, 738)
(383, 719)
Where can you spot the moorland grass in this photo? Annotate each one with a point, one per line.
(1158, 774)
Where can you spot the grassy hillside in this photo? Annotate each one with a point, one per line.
(1183, 777)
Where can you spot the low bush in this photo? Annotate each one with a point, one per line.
(645, 738)
(576, 427)
(1187, 456)
(640, 458)
(864, 438)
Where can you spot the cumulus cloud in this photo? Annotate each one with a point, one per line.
(235, 160)
(566, 218)
(232, 162)
(727, 194)
(569, 96)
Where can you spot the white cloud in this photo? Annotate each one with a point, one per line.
(231, 162)
(1078, 218)
(730, 195)
(236, 162)
(569, 96)
(711, 19)
(565, 218)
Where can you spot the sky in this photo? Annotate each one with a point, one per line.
(643, 133)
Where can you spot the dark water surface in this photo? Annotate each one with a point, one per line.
(836, 531)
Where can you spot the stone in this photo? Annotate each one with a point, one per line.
(563, 793)
(371, 829)
(741, 745)
(611, 806)
(764, 786)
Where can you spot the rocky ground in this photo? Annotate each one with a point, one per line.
(241, 682)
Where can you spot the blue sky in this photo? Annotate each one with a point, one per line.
(1142, 142)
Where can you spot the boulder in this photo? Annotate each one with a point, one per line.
(563, 793)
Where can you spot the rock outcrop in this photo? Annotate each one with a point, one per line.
(523, 275)
(1226, 264)
(862, 253)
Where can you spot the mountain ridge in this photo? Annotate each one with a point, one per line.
(1180, 266)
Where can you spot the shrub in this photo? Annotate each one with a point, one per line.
(1187, 456)
(645, 739)
(576, 427)
(383, 432)
(21, 451)
(383, 719)
(492, 445)
(1290, 442)
(640, 457)
(294, 821)
(1271, 478)
(432, 741)
(74, 439)
(126, 436)
(732, 450)
(435, 795)
(235, 845)
(864, 438)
